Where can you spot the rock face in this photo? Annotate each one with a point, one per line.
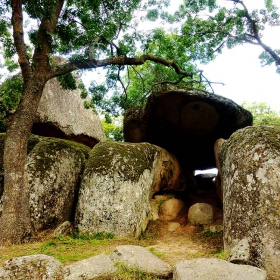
(117, 186)
(215, 269)
(61, 114)
(33, 267)
(54, 169)
(249, 163)
(186, 123)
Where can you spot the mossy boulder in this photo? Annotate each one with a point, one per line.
(249, 166)
(54, 170)
(117, 186)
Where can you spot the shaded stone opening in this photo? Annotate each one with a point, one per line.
(50, 130)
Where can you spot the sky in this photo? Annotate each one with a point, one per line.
(241, 71)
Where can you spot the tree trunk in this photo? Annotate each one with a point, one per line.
(15, 222)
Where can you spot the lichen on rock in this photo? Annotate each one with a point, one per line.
(250, 169)
(117, 186)
(54, 170)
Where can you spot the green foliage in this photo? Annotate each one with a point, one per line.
(207, 34)
(10, 95)
(262, 113)
(95, 236)
(67, 81)
(113, 127)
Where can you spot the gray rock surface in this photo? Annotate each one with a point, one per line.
(141, 258)
(200, 214)
(63, 229)
(33, 267)
(186, 123)
(97, 267)
(240, 253)
(250, 173)
(54, 170)
(118, 183)
(61, 114)
(215, 269)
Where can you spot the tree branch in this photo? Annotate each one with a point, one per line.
(46, 30)
(119, 60)
(18, 34)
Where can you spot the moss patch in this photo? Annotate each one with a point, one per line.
(249, 137)
(45, 152)
(128, 160)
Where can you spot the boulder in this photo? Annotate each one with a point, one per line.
(61, 114)
(170, 208)
(63, 229)
(200, 214)
(215, 269)
(117, 186)
(250, 173)
(54, 170)
(98, 267)
(33, 267)
(186, 123)
(140, 258)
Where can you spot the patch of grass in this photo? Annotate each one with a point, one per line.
(126, 273)
(95, 236)
(158, 254)
(66, 249)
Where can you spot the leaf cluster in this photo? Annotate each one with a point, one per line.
(10, 95)
(262, 113)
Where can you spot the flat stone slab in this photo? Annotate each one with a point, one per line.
(141, 258)
(91, 268)
(216, 269)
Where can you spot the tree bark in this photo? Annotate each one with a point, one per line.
(15, 222)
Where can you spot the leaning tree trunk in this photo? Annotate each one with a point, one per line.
(15, 222)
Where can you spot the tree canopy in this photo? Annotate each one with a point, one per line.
(262, 113)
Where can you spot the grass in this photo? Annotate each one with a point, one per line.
(69, 249)
(72, 248)
(126, 273)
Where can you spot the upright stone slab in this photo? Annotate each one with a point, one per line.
(54, 170)
(249, 163)
(117, 186)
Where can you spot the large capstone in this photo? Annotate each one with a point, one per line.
(186, 123)
(117, 186)
(249, 166)
(62, 114)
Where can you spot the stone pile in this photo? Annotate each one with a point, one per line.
(133, 257)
